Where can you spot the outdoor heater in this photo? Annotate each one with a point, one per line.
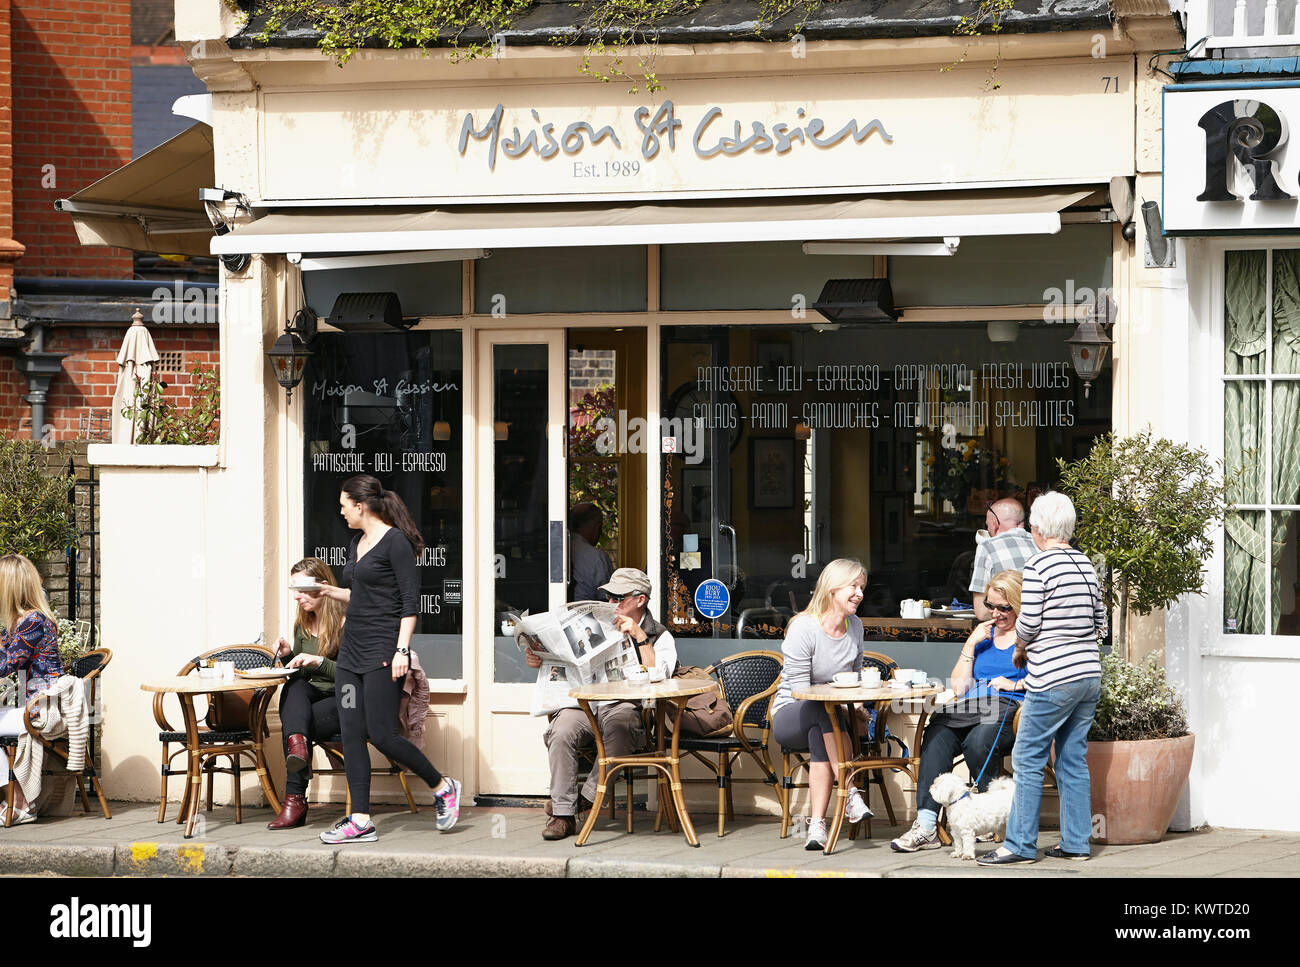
(857, 300)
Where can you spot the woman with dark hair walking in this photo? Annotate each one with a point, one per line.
(382, 598)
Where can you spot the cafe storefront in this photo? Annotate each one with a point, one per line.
(766, 318)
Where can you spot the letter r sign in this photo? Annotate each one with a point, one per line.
(1250, 131)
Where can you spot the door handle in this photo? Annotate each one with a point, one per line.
(725, 528)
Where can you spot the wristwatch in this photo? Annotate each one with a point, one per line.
(403, 651)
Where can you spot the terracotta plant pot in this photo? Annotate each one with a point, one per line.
(1136, 787)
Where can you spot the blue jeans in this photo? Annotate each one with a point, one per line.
(1063, 714)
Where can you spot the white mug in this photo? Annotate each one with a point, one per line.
(846, 678)
(871, 677)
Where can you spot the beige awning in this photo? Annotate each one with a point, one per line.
(936, 214)
(151, 204)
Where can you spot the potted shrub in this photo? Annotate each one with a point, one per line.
(1147, 508)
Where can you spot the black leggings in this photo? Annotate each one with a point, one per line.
(368, 711)
(306, 710)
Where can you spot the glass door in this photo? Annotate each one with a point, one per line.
(522, 566)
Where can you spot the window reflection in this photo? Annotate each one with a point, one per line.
(882, 443)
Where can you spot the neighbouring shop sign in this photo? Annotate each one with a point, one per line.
(801, 131)
(1230, 167)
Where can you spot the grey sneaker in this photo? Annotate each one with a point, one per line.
(916, 838)
(855, 807)
(448, 805)
(816, 835)
(346, 831)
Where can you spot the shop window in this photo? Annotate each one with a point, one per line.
(609, 279)
(390, 404)
(995, 270)
(424, 288)
(881, 443)
(749, 275)
(1261, 439)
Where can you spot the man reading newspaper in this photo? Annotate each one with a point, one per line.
(620, 722)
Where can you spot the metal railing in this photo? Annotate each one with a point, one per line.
(1241, 24)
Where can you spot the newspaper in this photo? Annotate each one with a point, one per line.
(578, 645)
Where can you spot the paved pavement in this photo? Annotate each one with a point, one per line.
(507, 842)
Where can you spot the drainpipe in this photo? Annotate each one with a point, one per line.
(39, 366)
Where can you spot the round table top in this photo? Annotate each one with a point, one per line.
(859, 693)
(194, 685)
(645, 691)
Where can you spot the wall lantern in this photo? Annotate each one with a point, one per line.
(1088, 348)
(289, 354)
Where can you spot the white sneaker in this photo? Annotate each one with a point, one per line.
(816, 835)
(855, 807)
(917, 838)
(21, 816)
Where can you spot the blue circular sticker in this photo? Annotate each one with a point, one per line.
(712, 599)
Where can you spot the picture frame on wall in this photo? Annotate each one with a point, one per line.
(904, 462)
(769, 356)
(882, 461)
(772, 476)
(893, 521)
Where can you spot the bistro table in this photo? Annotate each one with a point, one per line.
(185, 689)
(884, 699)
(677, 691)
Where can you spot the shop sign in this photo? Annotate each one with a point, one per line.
(1229, 165)
(801, 131)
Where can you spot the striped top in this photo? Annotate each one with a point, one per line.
(1061, 612)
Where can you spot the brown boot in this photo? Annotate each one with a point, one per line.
(297, 757)
(558, 827)
(584, 805)
(292, 814)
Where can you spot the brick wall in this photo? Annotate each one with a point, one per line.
(71, 125)
(85, 386)
(6, 153)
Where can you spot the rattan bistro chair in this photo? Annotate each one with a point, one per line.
(333, 749)
(88, 668)
(749, 679)
(231, 743)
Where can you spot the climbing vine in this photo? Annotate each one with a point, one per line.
(476, 28)
(988, 16)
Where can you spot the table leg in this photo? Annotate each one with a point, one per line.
(678, 800)
(600, 776)
(841, 778)
(667, 808)
(257, 719)
(194, 779)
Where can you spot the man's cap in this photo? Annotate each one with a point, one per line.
(628, 580)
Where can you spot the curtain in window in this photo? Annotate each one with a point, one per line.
(1286, 406)
(1245, 341)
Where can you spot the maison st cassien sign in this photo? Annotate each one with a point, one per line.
(1231, 166)
(807, 131)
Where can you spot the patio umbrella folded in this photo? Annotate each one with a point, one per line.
(135, 359)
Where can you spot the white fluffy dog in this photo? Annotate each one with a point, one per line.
(977, 814)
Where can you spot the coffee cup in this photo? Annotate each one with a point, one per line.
(845, 678)
(226, 670)
(919, 677)
(871, 677)
(656, 674)
(636, 673)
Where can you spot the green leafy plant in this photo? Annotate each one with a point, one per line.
(606, 27)
(74, 640)
(988, 15)
(1146, 507)
(591, 478)
(955, 471)
(35, 518)
(159, 420)
(1137, 702)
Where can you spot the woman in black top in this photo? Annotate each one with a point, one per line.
(382, 595)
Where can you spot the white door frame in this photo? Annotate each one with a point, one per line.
(510, 748)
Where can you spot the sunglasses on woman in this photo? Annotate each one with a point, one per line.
(1004, 608)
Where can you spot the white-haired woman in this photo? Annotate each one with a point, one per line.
(820, 641)
(1061, 616)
